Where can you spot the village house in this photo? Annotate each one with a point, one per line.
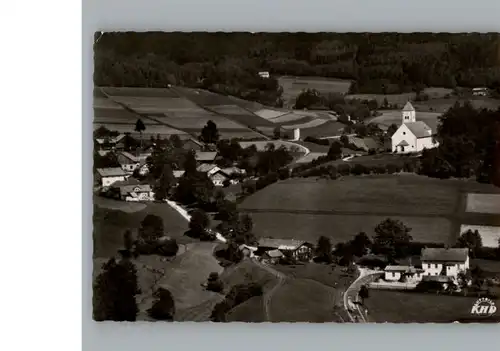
(412, 135)
(403, 274)
(140, 192)
(108, 176)
(247, 251)
(205, 156)
(110, 143)
(298, 249)
(130, 163)
(264, 74)
(445, 261)
(214, 173)
(480, 91)
(271, 256)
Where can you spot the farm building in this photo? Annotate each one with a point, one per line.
(108, 176)
(403, 273)
(480, 91)
(216, 175)
(131, 190)
(300, 250)
(130, 163)
(178, 174)
(264, 74)
(364, 144)
(248, 251)
(271, 256)
(107, 143)
(444, 261)
(205, 156)
(412, 135)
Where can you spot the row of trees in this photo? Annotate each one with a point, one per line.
(116, 287)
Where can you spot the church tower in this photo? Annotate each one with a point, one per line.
(408, 112)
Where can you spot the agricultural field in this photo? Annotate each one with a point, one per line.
(490, 235)
(139, 92)
(478, 206)
(151, 129)
(401, 99)
(261, 145)
(293, 86)
(301, 300)
(412, 307)
(250, 311)
(307, 208)
(110, 224)
(327, 129)
(483, 203)
(389, 117)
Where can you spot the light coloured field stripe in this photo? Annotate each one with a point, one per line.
(311, 124)
(483, 203)
(489, 234)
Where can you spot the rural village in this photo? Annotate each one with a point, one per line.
(263, 179)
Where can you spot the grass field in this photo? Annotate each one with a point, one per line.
(310, 157)
(329, 275)
(110, 204)
(410, 307)
(330, 128)
(293, 86)
(483, 203)
(389, 117)
(138, 92)
(110, 224)
(185, 275)
(250, 311)
(307, 208)
(303, 300)
(315, 123)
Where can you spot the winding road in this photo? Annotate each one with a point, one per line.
(355, 313)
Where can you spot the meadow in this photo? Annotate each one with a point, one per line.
(112, 218)
(306, 208)
(293, 86)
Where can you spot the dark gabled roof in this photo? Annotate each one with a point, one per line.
(444, 254)
(111, 172)
(205, 155)
(419, 129)
(408, 107)
(281, 244)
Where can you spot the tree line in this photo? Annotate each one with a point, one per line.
(228, 63)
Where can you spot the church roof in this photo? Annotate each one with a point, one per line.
(419, 129)
(408, 107)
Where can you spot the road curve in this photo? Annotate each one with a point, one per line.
(355, 313)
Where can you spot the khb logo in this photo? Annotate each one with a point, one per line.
(484, 307)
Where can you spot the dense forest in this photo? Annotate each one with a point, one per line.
(228, 62)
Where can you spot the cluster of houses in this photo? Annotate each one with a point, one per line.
(272, 251)
(441, 265)
(119, 182)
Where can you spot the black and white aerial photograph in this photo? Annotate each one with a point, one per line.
(273, 177)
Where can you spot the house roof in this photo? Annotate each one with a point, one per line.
(274, 253)
(206, 167)
(110, 140)
(397, 268)
(219, 174)
(404, 269)
(244, 246)
(281, 244)
(233, 170)
(127, 189)
(363, 143)
(403, 143)
(408, 107)
(111, 172)
(178, 174)
(129, 181)
(445, 254)
(371, 143)
(419, 129)
(205, 155)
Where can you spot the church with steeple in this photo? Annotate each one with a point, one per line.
(412, 135)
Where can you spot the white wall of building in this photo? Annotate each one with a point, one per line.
(107, 181)
(425, 143)
(452, 269)
(403, 133)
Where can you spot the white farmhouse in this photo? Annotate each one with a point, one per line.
(444, 262)
(412, 135)
(108, 176)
